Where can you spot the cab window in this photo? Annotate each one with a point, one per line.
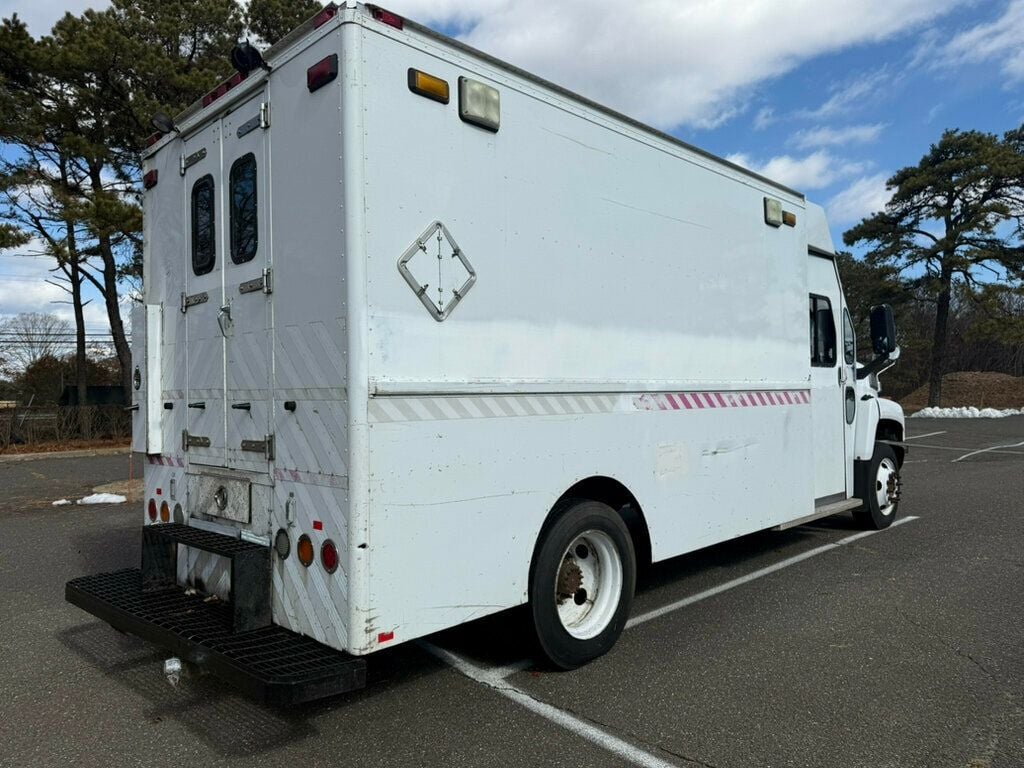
(823, 332)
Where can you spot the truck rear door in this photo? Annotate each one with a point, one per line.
(228, 284)
(202, 299)
(248, 282)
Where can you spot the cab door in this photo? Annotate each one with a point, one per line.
(830, 378)
(248, 284)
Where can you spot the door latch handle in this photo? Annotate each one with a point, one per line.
(224, 319)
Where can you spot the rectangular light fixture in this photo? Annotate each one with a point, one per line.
(427, 85)
(773, 212)
(321, 73)
(479, 104)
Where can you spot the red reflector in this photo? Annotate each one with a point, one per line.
(325, 15)
(329, 556)
(318, 525)
(386, 17)
(159, 491)
(236, 78)
(152, 510)
(321, 73)
(384, 637)
(153, 139)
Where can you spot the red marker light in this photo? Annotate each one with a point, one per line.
(325, 15)
(386, 17)
(321, 73)
(150, 179)
(153, 138)
(385, 637)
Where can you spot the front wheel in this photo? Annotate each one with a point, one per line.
(881, 489)
(581, 583)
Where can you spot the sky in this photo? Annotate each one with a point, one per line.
(828, 96)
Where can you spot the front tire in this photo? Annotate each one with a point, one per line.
(881, 487)
(581, 583)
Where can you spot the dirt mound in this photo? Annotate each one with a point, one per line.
(982, 390)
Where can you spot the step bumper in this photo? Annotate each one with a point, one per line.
(272, 665)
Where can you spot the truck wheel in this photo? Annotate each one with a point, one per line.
(581, 583)
(881, 485)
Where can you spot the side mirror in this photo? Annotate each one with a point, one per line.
(883, 330)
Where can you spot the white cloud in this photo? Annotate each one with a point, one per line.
(850, 95)
(1001, 41)
(669, 62)
(863, 197)
(824, 136)
(764, 117)
(24, 288)
(815, 171)
(40, 15)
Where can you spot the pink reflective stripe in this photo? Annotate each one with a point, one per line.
(672, 402)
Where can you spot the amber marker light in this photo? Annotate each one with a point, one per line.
(427, 85)
(305, 550)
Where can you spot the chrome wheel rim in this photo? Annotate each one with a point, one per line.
(588, 584)
(887, 486)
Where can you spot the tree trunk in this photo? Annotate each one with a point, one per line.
(75, 275)
(110, 296)
(939, 338)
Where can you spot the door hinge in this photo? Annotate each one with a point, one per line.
(187, 161)
(193, 441)
(264, 446)
(265, 115)
(190, 301)
(263, 283)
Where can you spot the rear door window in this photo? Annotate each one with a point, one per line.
(244, 224)
(204, 249)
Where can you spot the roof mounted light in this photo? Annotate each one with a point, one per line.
(386, 17)
(328, 13)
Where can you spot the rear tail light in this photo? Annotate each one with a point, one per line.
(321, 73)
(305, 550)
(329, 556)
(386, 17)
(152, 510)
(150, 179)
(165, 513)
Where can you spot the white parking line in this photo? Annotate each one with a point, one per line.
(929, 434)
(986, 450)
(576, 725)
(495, 677)
(760, 573)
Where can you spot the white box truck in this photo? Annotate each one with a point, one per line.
(425, 337)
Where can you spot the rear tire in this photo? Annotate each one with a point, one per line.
(581, 583)
(881, 486)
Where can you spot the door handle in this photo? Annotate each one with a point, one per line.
(224, 319)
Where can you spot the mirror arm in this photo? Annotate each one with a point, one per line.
(878, 364)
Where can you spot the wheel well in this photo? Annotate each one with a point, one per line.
(891, 430)
(610, 491)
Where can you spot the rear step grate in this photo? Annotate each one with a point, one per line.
(272, 664)
(250, 568)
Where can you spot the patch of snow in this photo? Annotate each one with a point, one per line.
(61, 502)
(967, 412)
(103, 498)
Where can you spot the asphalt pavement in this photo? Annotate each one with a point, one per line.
(815, 646)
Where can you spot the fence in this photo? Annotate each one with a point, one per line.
(63, 424)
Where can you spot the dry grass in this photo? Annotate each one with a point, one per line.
(57, 446)
(982, 390)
